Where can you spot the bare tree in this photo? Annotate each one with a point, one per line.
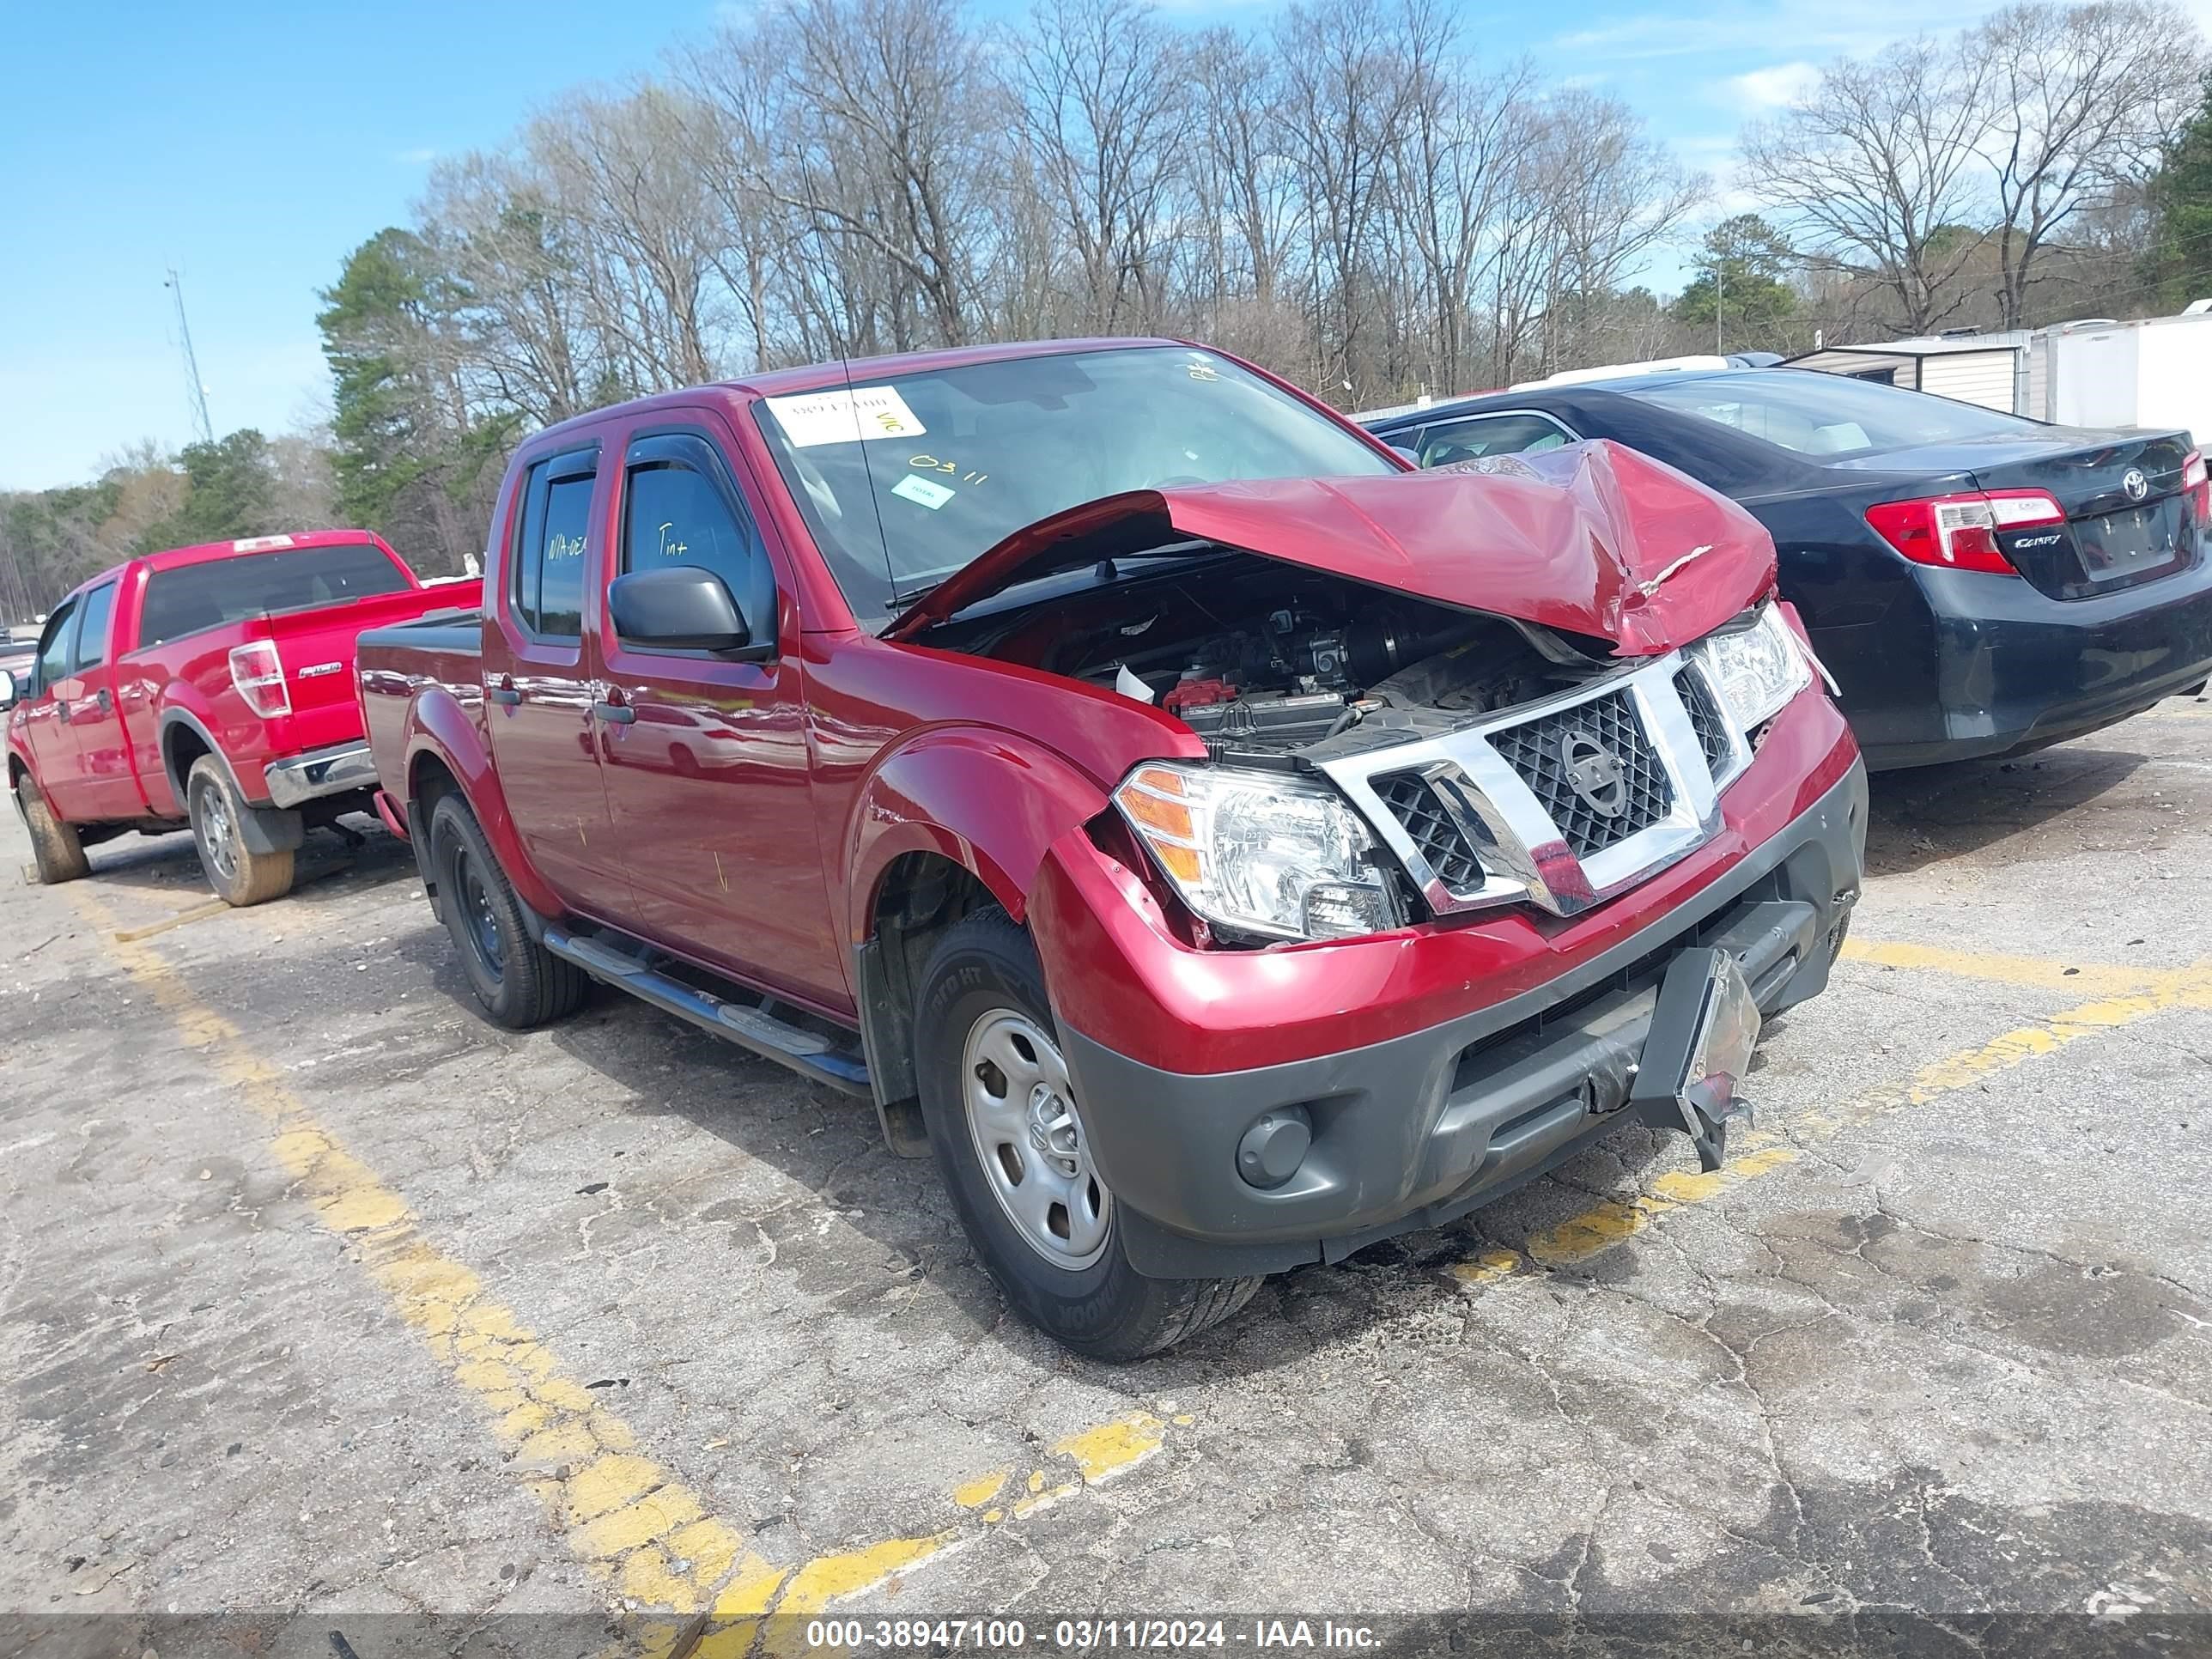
(1876, 168)
(2081, 98)
(1343, 74)
(1246, 192)
(1104, 113)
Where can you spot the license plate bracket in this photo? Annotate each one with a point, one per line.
(1704, 1029)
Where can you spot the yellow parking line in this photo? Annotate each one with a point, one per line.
(2108, 979)
(1616, 1220)
(642, 1531)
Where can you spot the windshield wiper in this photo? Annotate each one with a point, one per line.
(903, 597)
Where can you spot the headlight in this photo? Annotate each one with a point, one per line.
(1758, 668)
(1261, 854)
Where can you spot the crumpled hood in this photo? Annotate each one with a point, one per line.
(1591, 538)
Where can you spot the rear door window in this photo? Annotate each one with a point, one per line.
(547, 590)
(192, 597)
(91, 648)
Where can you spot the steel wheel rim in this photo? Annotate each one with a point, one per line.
(476, 916)
(216, 833)
(1036, 1159)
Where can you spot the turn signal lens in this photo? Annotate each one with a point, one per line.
(2194, 486)
(258, 673)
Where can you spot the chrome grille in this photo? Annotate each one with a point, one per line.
(1533, 750)
(1705, 719)
(1414, 804)
(1486, 814)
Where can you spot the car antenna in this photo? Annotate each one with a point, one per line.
(867, 470)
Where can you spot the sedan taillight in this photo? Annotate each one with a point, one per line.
(2194, 486)
(258, 673)
(1959, 532)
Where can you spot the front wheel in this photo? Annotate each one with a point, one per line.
(517, 981)
(56, 851)
(1008, 1135)
(238, 875)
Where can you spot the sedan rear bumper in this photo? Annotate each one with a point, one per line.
(2018, 669)
(339, 769)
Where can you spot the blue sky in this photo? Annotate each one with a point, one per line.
(252, 144)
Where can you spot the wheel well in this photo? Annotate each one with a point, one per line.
(17, 768)
(180, 747)
(428, 779)
(920, 897)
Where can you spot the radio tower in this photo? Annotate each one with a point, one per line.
(201, 424)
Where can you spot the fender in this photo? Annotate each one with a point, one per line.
(16, 751)
(438, 725)
(173, 714)
(945, 790)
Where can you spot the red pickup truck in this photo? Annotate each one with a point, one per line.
(1220, 845)
(212, 686)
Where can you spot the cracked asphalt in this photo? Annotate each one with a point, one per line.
(322, 1298)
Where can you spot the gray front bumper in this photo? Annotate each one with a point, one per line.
(340, 770)
(1418, 1130)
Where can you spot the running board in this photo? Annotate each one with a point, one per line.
(807, 1053)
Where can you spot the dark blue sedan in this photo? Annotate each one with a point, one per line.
(1978, 584)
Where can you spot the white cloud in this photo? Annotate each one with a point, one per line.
(415, 158)
(1772, 87)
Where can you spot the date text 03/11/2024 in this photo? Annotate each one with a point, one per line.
(1086, 1635)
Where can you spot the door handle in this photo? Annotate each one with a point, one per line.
(105, 702)
(614, 713)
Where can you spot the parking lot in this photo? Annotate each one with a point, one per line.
(323, 1296)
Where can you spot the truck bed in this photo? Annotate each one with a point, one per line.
(457, 628)
(441, 650)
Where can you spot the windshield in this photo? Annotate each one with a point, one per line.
(1818, 414)
(956, 460)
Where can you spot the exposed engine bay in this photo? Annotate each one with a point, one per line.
(1264, 661)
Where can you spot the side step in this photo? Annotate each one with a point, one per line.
(807, 1053)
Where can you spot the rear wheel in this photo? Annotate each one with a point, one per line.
(518, 981)
(238, 875)
(1008, 1134)
(54, 848)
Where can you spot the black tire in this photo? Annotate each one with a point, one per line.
(56, 851)
(238, 875)
(517, 980)
(984, 968)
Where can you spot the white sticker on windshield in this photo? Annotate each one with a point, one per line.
(916, 487)
(841, 416)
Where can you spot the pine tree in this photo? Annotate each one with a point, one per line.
(2180, 261)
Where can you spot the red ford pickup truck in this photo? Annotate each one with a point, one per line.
(1221, 846)
(212, 686)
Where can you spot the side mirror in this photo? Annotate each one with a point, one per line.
(683, 608)
(1413, 455)
(8, 688)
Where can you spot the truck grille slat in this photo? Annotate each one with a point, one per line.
(1534, 751)
(1414, 804)
(1705, 718)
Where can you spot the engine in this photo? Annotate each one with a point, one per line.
(1300, 673)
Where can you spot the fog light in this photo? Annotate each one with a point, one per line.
(1273, 1148)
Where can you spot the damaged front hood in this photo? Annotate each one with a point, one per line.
(1591, 538)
